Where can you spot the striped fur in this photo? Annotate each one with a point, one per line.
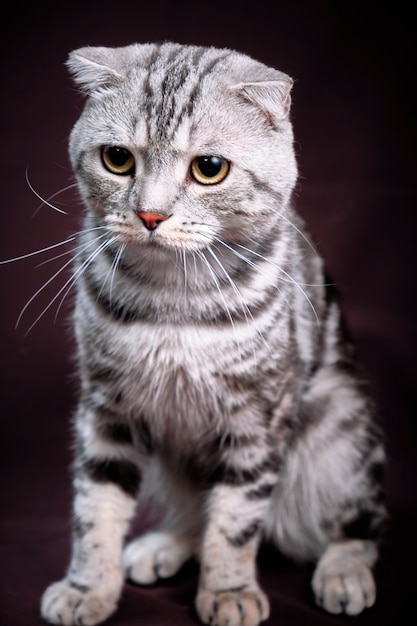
(216, 380)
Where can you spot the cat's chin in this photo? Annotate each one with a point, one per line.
(158, 249)
(161, 245)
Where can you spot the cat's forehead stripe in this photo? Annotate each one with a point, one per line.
(171, 95)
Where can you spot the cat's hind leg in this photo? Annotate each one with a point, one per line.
(328, 505)
(162, 552)
(343, 580)
(158, 554)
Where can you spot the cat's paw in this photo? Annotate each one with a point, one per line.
(72, 606)
(155, 555)
(245, 607)
(344, 587)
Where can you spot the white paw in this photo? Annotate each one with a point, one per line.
(70, 606)
(155, 555)
(246, 607)
(345, 586)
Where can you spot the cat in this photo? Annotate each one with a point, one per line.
(216, 377)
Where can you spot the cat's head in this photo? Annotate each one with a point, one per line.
(180, 145)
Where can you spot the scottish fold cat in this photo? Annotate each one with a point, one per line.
(216, 379)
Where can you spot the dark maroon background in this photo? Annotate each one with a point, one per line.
(354, 116)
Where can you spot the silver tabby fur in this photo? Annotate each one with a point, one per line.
(216, 380)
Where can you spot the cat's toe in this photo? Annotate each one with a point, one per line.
(361, 591)
(349, 591)
(67, 605)
(138, 563)
(155, 555)
(247, 607)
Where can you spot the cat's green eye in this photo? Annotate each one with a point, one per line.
(118, 160)
(209, 170)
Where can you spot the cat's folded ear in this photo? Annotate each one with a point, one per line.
(271, 96)
(95, 68)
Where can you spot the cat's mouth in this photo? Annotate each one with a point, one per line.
(161, 231)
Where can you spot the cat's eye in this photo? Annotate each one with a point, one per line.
(209, 170)
(118, 160)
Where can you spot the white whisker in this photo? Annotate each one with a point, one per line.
(43, 200)
(29, 254)
(275, 265)
(48, 283)
(76, 275)
(217, 283)
(300, 232)
(245, 309)
(72, 250)
(40, 290)
(57, 256)
(255, 266)
(112, 271)
(69, 239)
(244, 306)
(184, 263)
(195, 264)
(54, 195)
(115, 263)
(289, 277)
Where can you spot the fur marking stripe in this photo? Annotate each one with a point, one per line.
(260, 493)
(119, 433)
(238, 477)
(79, 587)
(231, 589)
(80, 528)
(123, 473)
(245, 535)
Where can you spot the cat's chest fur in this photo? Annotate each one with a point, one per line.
(167, 370)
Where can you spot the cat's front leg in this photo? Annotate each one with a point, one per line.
(229, 594)
(90, 591)
(104, 504)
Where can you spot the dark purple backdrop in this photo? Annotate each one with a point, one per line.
(353, 112)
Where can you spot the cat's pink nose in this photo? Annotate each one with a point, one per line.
(151, 220)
